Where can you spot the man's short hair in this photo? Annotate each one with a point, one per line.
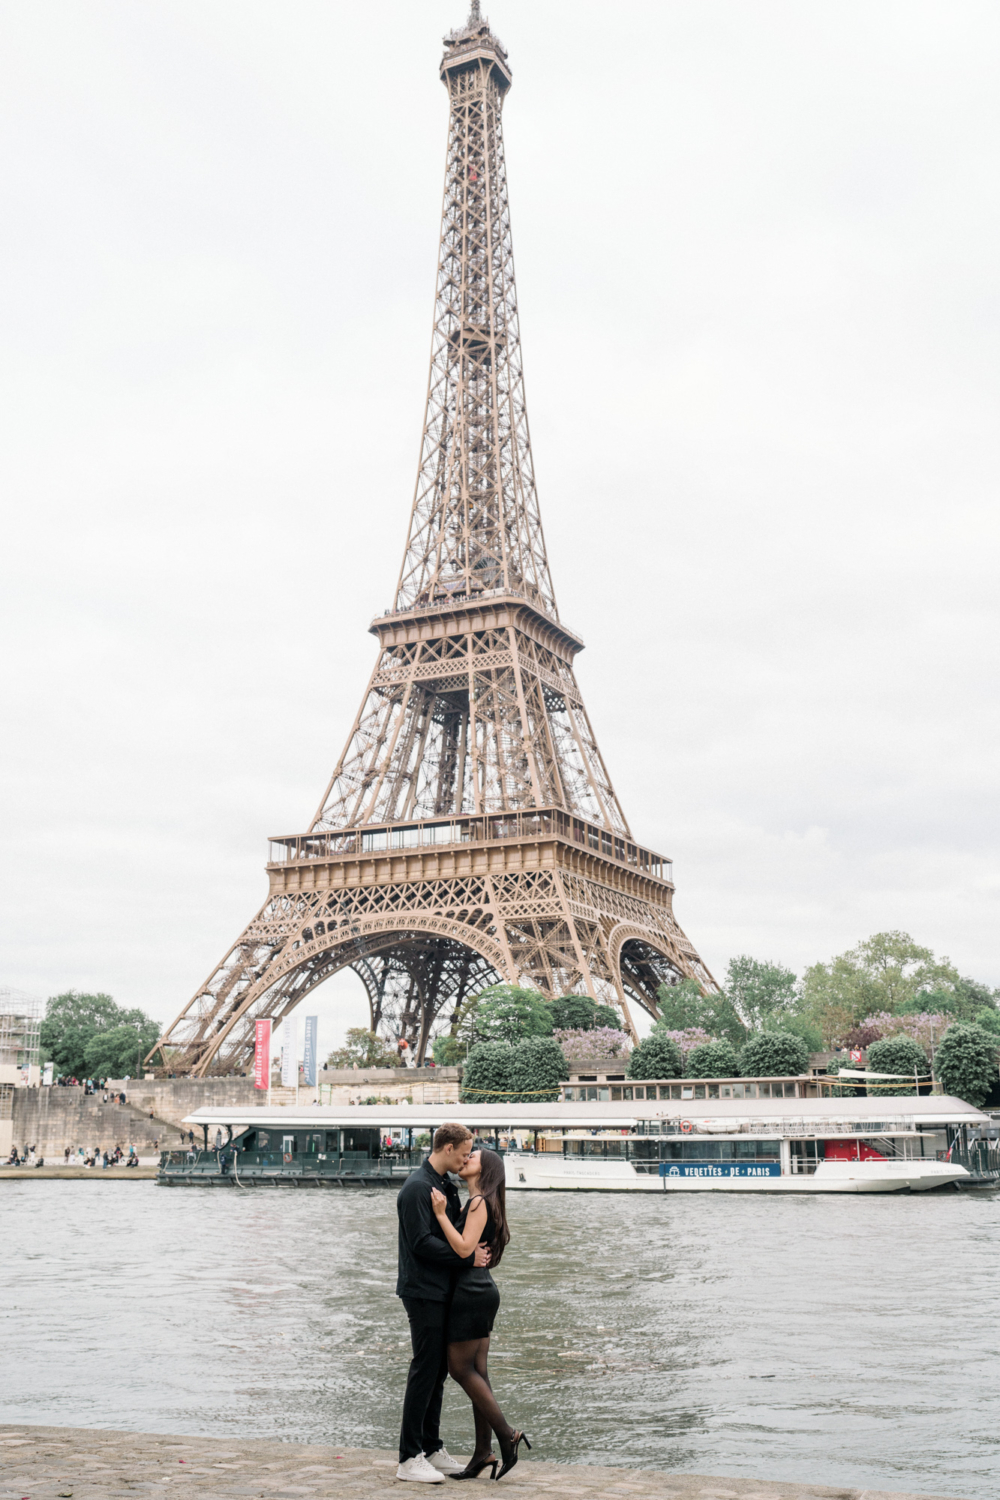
(451, 1135)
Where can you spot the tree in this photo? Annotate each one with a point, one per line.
(658, 1056)
(72, 1020)
(119, 1052)
(966, 1062)
(503, 1013)
(606, 1017)
(899, 1054)
(774, 1054)
(683, 1007)
(537, 1067)
(989, 1019)
(366, 1048)
(712, 1060)
(759, 990)
(799, 1026)
(573, 1013)
(448, 1051)
(486, 1076)
(884, 973)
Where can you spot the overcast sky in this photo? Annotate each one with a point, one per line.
(757, 249)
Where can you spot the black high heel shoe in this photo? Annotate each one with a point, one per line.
(473, 1469)
(509, 1451)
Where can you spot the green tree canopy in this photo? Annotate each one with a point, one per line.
(73, 1020)
(118, 1053)
(966, 1062)
(774, 1054)
(712, 1060)
(899, 1054)
(800, 1026)
(573, 1013)
(657, 1056)
(448, 1051)
(989, 1019)
(608, 1016)
(886, 972)
(366, 1048)
(486, 1075)
(759, 990)
(683, 1007)
(503, 1013)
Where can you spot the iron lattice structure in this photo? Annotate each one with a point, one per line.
(470, 832)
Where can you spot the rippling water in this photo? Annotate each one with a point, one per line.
(845, 1340)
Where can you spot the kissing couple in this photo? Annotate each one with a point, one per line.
(451, 1300)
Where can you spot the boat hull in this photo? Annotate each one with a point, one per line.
(536, 1173)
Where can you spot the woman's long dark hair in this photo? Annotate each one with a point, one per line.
(493, 1189)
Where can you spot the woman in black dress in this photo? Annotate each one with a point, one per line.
(475, 1305)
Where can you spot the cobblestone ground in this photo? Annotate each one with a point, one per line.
(41, 1463)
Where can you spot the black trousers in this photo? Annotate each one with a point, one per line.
(420, 1431)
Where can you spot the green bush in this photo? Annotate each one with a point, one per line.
(658, 1056)
(774, 1054)
(572, 1013)
(966, 1062)
(537, 1068)
(486, 1076)
(712, 1060)
(898, 1054)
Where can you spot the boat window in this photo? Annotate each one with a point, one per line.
(725, 1091)
(713, 1091)
(263, 1140)
(314, 1144)
(288, 1143)
(247, 1141)
(699, 1091)
(687, 1092)
(333, 1140)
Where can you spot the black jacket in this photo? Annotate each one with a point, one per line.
(427, 1263)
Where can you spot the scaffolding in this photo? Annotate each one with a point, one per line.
(20, 1025)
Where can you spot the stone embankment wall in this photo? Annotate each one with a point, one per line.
(53, 1118)
(50, 1119)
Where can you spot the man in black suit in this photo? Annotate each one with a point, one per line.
(427, 1268)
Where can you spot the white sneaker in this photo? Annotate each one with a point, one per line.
(419, 1468)
(443, 1462)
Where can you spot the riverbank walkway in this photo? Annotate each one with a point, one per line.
(75, 1463)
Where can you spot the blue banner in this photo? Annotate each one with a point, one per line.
(309, 1054)
(720, 1169)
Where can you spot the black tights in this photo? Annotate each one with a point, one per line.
(467, 1365)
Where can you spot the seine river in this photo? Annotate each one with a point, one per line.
(829, 1340)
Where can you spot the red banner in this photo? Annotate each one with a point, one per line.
(262, 1054)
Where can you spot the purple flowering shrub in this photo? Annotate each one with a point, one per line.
(603, 1041)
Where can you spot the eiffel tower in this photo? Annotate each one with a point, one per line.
(470, 832)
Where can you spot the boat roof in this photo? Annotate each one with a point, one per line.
(927, 1109)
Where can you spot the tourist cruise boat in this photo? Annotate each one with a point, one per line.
(786, 1145)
